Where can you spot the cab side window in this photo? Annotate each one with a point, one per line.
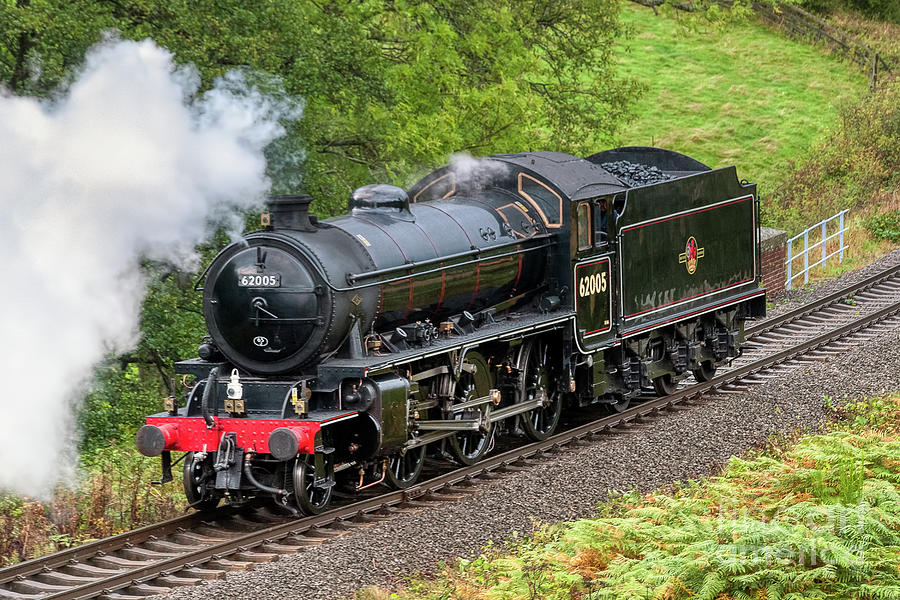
(601, 221)
(585, 227)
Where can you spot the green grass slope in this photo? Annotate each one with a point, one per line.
(742, 95)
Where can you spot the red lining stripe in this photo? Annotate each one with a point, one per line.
(444, 270)
(402, 253)
(518, 273)
(436, 254)
(478, 266)
(339, 416)
(693, 212)
(477, 283)
(443, 287)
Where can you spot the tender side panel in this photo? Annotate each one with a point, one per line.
(676, 261)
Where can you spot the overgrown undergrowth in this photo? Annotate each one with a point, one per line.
(114, 496)
(817, 519)
(882, 36)
(790, 116)
(856, 167)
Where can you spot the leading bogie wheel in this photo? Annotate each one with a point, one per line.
(538, 383)
(194, 478)
(475, 381)
(308, 497)
(403, 470)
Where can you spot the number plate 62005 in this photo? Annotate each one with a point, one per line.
(269, 280)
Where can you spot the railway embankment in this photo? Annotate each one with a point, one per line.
(815, 516)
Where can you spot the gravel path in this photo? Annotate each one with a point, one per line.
(680, 445)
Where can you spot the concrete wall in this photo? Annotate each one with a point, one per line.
(773, 250)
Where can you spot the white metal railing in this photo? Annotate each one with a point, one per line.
(822, 227)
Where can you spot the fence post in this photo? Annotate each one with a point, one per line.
(790, 265)
(806, 257)
(824, 245)
(841, 240)
(873, 78)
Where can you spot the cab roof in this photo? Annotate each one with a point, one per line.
(575, 177)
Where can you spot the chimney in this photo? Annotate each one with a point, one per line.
(291, 211)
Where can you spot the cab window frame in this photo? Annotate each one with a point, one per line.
(601, 235)
(584, 222)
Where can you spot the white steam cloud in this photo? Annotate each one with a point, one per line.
(128, 163)
(476, 173)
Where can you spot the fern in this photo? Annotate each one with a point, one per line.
(819, 520)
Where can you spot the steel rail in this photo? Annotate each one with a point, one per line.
(806, 309)
(434, 486)
(116, 542)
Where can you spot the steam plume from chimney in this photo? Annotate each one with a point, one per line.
(129, 162)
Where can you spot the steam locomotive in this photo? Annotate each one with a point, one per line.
(482, 302)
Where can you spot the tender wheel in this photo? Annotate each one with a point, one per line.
(665, 385)
(706, 371)
(404, 470)
(311, 500)
(620, 405)
(194, 476)
(538, 382)
(474, 382)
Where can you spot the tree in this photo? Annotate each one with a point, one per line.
(392, 88)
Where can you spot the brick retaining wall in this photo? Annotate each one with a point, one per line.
(774, 252)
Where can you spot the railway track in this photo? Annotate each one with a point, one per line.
(830, 312)
(197, 547)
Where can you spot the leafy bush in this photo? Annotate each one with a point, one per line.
(886, 10)
(856, 168)
(391, 88)
(885, 226)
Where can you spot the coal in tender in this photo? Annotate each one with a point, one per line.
(635, 174)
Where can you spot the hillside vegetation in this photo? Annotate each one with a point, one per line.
(857, 167)
(882, 36)
(819, 519)
(790, 115)
(884, 10)
(113, 495)
(740, 94)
